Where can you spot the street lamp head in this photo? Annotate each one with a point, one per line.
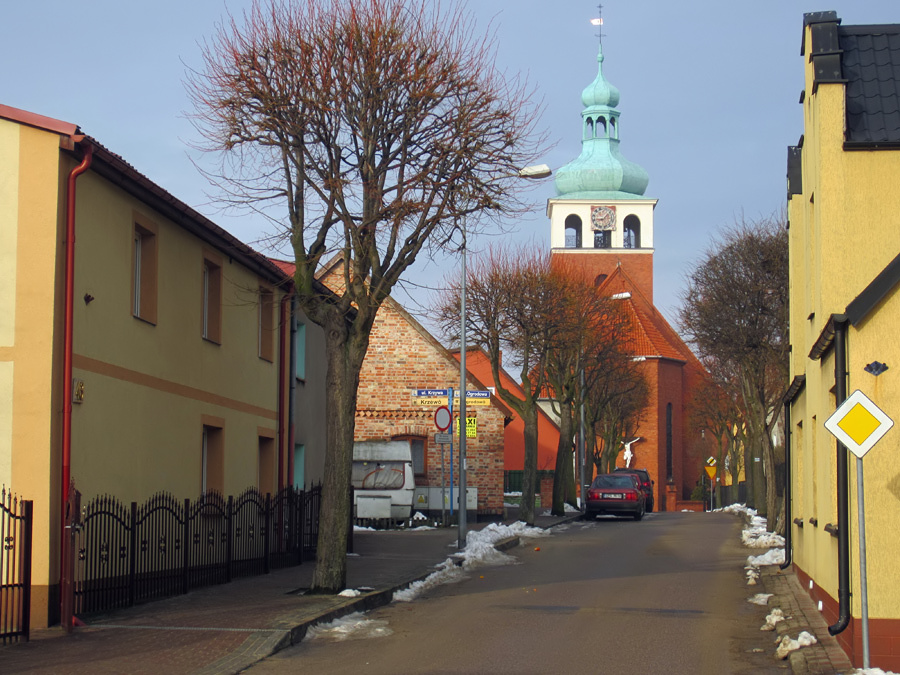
(535, 172)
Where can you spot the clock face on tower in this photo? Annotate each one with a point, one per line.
(603, 218)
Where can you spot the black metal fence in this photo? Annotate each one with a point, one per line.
(16, 520)
(126, 555)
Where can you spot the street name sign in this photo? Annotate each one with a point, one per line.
(443, 438)
(858, 423)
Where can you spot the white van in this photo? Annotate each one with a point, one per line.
(382, 479)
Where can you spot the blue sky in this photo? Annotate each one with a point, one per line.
(709, 98)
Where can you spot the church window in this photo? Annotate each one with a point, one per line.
(573, 231)
(603, 239)
(632, 232)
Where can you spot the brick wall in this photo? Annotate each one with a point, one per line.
(402, 357)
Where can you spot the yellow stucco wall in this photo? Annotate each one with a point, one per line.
(843, 233)
(148, 388)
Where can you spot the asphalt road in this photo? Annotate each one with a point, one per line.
(666, 595)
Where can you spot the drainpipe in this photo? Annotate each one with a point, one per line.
(843, 512)
(68, 333)
(788, 435)
(282, 381)
(292, 389)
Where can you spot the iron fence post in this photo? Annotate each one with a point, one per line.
(267, 524)
(229, 529)
(132, 555)
(28, 513)
(186, 537)
(350, 526)
(301, 529)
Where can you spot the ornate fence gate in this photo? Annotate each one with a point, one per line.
(16, 521)
(125, 555)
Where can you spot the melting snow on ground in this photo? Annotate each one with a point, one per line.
(760, 599)
(479, 551)
(872, 671)
(786, 644)
(351, 627)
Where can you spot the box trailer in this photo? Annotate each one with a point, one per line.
(382, 479)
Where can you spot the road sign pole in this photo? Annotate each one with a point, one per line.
(863, 579)
(450, 405)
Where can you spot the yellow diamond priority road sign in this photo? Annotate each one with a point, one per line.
(858, 423)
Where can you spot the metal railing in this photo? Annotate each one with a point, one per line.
(127, 555)
(16, 521)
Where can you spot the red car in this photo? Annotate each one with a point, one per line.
(616, 494)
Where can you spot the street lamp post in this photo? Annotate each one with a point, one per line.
(532, 173)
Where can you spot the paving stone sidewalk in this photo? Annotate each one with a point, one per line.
(823, 658)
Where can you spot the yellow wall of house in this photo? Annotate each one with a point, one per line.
(842, 235)
(148, 388)
(29, 162)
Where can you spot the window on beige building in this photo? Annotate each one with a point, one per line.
(266, 468)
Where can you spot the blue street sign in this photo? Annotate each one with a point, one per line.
(430, 393)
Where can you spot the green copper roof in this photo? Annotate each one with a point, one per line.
(600, 171)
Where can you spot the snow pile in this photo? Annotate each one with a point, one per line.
(756, 536)
(479, 551)
(752, 575)
(760, 599)
(773, 556)
(568, 508)
(773, 619)
(872, 671)
(350, 593)
(351, 627)
(419, 516)
(786, 644)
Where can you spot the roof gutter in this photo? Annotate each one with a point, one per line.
(793, 391)
(843, 511)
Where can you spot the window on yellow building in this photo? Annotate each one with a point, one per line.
(211, 300)
(212, 476)
(144, 271)
(266, 324)
(266, 466)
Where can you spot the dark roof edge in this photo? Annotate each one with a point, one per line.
(826, 338)
(869, 29)
(874, 293)
(116, 170)
(816, 17)
(851, 146)
(793, 391)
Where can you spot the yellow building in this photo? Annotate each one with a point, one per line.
(843, 205)
(179, 368)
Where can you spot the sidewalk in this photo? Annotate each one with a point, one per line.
(227, 628)
(823, 658)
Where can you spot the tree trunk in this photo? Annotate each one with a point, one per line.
(345, 352)
(529, 473)
(563, 460)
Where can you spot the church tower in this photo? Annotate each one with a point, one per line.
(600, 219)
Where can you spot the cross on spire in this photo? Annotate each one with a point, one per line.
(599, 23)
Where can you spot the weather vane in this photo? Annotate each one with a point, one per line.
(599, 22)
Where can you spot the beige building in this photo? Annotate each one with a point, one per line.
(179, 346)
(843, 207)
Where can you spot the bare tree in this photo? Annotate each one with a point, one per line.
(592, 343)
(511, 303)
(616, 404)
(735, 310)
(372, 129)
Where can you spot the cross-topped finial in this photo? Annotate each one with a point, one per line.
(599, 22)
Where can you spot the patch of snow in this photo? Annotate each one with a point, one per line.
(360, 528)
(350, 593)
(419, 516)
(760, 599)
(773, 556)
(479, 551)
(512, 494)
(872, 671)
(421, 527)
(786, 644)
(772, 619)
(752, 575)
(351, 627)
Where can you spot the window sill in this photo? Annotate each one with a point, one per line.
(140, 318)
